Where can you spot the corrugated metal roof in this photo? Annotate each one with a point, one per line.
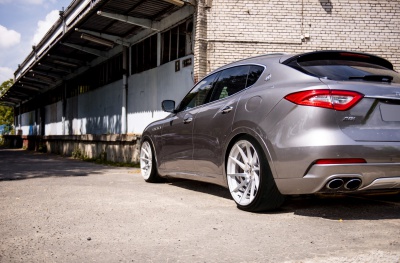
(55, 59)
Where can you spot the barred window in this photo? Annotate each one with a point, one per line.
(174, 42)
(144, 55)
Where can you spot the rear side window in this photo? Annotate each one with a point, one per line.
(235, 79)
(230, 82)
(254, 73)
(346, 66)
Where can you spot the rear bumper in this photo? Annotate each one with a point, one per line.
(383, 183)
(373, 176)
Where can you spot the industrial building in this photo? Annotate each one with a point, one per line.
(98, 77)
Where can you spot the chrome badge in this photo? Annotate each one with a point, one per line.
(349, 118)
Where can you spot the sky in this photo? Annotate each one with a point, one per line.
(23, 23)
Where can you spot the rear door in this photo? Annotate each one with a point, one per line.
(213, 122)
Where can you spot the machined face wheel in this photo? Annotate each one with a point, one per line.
(243, 172)
(146, 160)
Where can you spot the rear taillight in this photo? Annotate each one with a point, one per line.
(340, 161)
(340, 100)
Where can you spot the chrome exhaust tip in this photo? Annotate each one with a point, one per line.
(353, 184)
(334, 184)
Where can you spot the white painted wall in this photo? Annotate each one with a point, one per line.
(53, 119)
(28, 124)
(148, 89)
(99, 111)
(95, 112)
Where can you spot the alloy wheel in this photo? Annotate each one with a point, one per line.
(243, 172)
(146, 160)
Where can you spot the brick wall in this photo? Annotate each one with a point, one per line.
(240, 29)
(200, 40)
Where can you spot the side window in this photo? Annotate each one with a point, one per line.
(254, 73)
(199, 94)
(231, 81)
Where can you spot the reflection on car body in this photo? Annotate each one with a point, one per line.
(277, 125)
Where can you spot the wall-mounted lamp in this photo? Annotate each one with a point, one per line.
(98, 40)
(305, 37)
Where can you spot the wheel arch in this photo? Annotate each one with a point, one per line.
(241, 132)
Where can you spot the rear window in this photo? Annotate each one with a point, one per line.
(341, 68)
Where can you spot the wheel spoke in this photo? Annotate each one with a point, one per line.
(255, 161)
(252, 191)
(249, 156)
(145, 151)
(241, 165)
(244, 157)
(246, 191)
(239, 186)
(144, 159)
(238, 175)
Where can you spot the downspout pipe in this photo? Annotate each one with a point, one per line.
(124, 119)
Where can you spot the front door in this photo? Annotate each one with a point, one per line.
(177, 146)
(177, 133)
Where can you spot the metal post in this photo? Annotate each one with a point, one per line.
(158, 49)
(15, 118)
(124, 119)
(64, 107)
(19, 116)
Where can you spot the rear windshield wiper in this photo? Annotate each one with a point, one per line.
(383, 78)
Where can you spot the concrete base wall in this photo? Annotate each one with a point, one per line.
(114, 148)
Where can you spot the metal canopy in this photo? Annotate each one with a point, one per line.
(86, 30)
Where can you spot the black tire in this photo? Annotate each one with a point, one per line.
(148, 165)
(250, 181)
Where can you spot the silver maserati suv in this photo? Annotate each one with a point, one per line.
(279, 124)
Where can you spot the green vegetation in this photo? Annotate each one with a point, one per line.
(6, 112)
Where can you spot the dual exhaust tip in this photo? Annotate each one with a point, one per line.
(337, 183)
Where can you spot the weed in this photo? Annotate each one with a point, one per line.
(42, 148)
(78, 154)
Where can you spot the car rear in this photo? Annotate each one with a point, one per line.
(352, 133)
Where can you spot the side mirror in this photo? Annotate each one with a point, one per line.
(168, 105)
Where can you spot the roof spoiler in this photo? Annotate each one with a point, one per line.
(340, 55)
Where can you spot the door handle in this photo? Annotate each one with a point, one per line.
(227, 109)
(187, 120)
